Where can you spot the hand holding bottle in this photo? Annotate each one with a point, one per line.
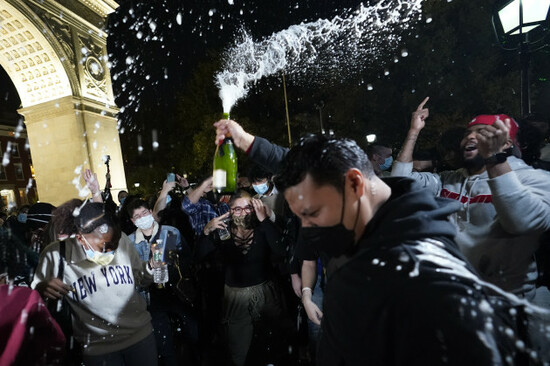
(216, 223)
(224, 127)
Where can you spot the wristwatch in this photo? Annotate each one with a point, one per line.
(497, 158)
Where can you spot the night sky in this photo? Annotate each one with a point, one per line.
(164, 55)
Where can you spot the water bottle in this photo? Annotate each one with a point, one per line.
(224, 176)
(160, 269)
(224, 233)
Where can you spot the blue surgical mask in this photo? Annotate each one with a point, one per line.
(387, 163)
(122, 200)
(102, 259)
(262, 188)
(22, 218)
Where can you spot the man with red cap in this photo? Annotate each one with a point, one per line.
(505, 202)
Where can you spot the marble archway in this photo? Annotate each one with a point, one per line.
(54, 51)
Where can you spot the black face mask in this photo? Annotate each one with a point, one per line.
(334, 240)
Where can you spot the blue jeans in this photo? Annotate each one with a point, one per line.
(314, 330)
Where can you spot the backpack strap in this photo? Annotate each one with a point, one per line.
(157, 235)
(61, 266)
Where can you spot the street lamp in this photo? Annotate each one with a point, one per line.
(320, 107)
(522, 25)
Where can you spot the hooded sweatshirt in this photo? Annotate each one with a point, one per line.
(407, 296)
(500, 219)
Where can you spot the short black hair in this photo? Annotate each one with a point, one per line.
(326, 159)
(376, 149)
(92, 215)
(135, 204)
(257, 173)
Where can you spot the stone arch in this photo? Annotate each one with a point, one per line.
(55, 53)
(33, 59)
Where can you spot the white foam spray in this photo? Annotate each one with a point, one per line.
(347, 42)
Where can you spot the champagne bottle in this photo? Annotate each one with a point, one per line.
(225, 165)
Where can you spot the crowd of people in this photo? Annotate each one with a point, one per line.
(326, 255)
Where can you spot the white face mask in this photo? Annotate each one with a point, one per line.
(145, 222)
(92, 255)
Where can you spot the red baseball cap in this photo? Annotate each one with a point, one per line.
(489, 119)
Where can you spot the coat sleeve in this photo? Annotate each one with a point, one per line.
(430, 181)
(522, 200)
(47, 264)
(267, 154)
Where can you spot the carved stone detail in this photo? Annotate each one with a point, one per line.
(62, 33)
(94, 80)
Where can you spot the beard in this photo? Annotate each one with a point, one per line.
(474, 164)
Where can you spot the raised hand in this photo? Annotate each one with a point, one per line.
(168, 186)
(182, 181)
(216, 223)
(492, 139)
(260, 209)
(91, 181)
(418, 118)
(242, 139)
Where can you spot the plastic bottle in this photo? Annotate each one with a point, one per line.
(160, 269)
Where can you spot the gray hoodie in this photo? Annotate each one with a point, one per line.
(500, 221)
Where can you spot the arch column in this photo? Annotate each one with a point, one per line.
(68, 135)
(55, 53)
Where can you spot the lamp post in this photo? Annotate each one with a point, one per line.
(320, 107)
(522, 25)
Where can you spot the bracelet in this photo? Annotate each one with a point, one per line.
(306, 289)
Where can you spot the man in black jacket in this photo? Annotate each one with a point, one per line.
(399, 291)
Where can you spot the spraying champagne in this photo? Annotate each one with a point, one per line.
(225, 165)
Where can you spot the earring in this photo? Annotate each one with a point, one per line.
(372, 188)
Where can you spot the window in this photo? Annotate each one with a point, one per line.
(14, 149)
(23, 196)
(19, 171)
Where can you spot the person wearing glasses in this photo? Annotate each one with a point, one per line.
(101, 272)
(249, 293)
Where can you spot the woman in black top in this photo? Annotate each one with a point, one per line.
(249, 294)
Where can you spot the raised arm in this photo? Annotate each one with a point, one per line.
(522, 197)
(160, 204)
(418, 121)
(93, 185)
(197, 193)
(259, 150)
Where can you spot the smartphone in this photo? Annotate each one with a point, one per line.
(170, 177)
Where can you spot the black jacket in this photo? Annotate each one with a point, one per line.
(408, 296)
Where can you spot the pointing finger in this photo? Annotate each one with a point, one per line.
(421, 105)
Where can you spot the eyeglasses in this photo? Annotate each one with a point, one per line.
(238, 210)
(141, 214)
